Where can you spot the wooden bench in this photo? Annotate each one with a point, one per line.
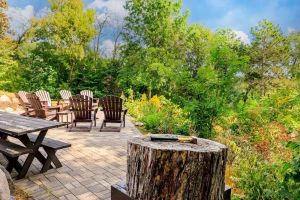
(12, 152)
(50, 146)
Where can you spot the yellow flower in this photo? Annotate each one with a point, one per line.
(155, 101)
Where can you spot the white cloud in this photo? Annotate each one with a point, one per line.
(291, 30)
(43, 12)
(242, 36)
(107, 48)
(20, 17)
(236, 18)
(114, 8)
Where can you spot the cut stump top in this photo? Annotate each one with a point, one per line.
(203, 145)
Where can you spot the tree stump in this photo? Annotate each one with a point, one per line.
(175, 170)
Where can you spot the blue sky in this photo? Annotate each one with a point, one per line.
(238, 15)
(243, 14)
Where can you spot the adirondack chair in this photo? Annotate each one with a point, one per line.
(113, 113)
(23, 101)
(22, 95)
(90, 94)
(65, 96)
(44, 97)
(87, 93)
(82, 108)
(41, 111)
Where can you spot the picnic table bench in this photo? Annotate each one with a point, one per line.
(20, 127)
(50, 146)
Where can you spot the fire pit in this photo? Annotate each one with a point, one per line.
(174, 167)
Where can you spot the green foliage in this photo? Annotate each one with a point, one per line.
(281, 105)
(291, 183)
(9, 69)
(68, 28)
(269, 55)
(258, 179)
(96, 75)
(198, 82)
(213, 89)
(262, 167)
(9, 78)
(294, 67)
(159, 115)
(58, 48)
(152, 32)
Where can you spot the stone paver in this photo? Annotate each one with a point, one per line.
(95, 161)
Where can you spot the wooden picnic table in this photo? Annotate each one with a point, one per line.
(20, 127)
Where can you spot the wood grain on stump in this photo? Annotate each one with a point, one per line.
(174, 170)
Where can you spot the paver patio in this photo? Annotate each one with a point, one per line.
(95, 161)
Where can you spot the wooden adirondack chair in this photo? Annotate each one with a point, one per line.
(65, 96)
(113, 113)
(87, 93)
(82, 107)
(22, 95)
(90, 94)
(41, 111)
(23, 101)
(44, 96)
(45, 99)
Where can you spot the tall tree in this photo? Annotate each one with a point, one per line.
(152, 32)
(269, 55)
(8, 66)
(101, 22)
(197, 46)
(59, 41)
(210, 94)
(294, 69)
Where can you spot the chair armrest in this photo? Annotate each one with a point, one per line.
(56, 108)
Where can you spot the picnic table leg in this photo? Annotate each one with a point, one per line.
(41, 158)
(51, 158)
(13, 163)
(35, 147)
(3, 136)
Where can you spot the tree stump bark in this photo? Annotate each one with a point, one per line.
(175, 170)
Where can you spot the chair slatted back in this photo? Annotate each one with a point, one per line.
(65, 95)
(37, 106)
(21, 95)
(44, 96)
(81, 107)
(112, 107)
(87, 93)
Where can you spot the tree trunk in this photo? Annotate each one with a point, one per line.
(149, 93)
(175, 170)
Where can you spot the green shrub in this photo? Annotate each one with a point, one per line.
(159, 115)
(257, 178)
(291, 182)
(152, 122)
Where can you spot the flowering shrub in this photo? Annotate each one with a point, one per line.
(159, 115)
